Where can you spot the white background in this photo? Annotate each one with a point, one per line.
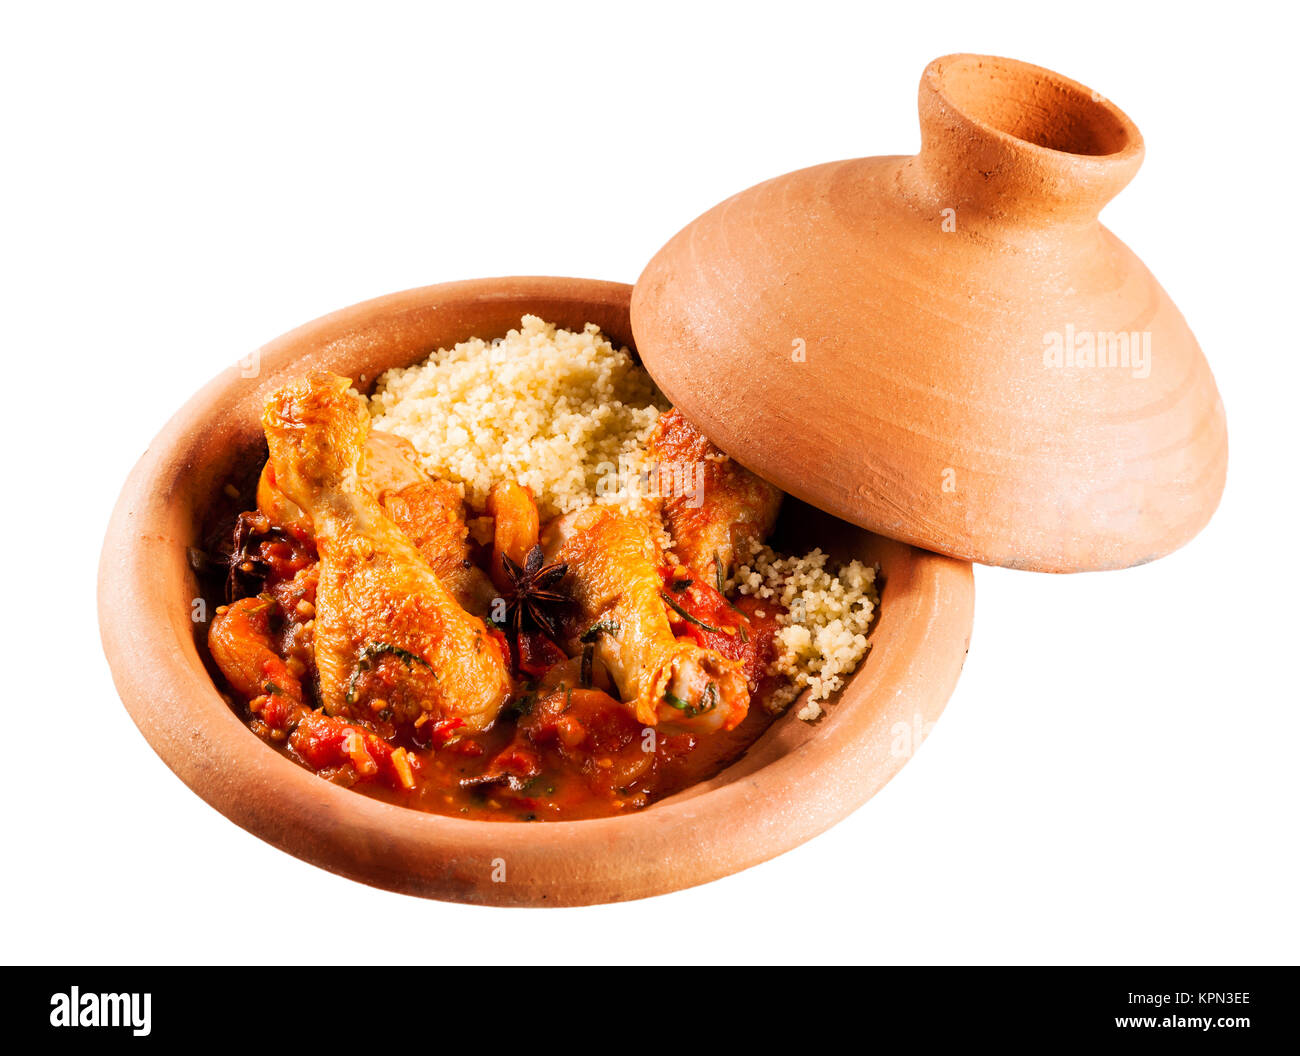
(1115, 777)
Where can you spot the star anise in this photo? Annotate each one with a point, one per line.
(246, 568)
(533, 602)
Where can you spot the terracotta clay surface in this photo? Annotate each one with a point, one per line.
(796, 781)
(887, 332)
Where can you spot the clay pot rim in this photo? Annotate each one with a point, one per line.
(939, 74)
(699, 835)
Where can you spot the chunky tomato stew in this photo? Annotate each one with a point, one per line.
(577, 667)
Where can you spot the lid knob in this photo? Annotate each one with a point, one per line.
(1015, 143)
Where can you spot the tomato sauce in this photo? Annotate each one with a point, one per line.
(562, 748)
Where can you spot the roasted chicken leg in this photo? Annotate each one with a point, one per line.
(614, 579)
(391, 640)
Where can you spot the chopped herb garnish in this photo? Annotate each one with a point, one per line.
(365, 661)
(671, 699)
(680, 585)
(722, 583)
(584, 671)
(609, 627)
(381, 648)
(708, 702)
(686, 615)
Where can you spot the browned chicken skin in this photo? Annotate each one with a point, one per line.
(390, 638)
(714, 508)
(430, 512)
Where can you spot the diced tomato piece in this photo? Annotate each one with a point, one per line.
(323, 741)
(734, 630)
(538, 654)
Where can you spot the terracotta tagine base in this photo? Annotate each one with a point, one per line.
(796, 781)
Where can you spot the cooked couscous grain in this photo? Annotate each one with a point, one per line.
(562, 412)
(823, 622)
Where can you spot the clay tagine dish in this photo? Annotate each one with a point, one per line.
(543, 591)
(464, 678)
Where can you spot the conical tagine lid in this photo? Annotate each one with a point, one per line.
(950, 349)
